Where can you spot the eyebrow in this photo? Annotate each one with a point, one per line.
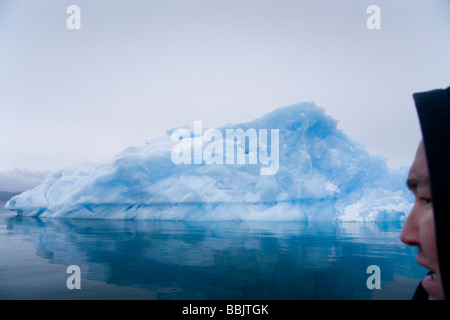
(413, 183)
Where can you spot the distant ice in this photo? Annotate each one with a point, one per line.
(322, 175)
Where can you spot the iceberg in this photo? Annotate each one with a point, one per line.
(321, 174)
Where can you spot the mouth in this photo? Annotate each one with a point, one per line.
(431, 276)
(433, 286)
(432, 282)
(422, 262)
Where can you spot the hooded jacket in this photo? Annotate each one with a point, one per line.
(433, 109)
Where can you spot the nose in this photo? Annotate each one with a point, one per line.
(410, 231)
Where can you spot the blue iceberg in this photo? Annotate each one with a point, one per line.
(319, 174)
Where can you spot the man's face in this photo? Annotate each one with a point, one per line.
(419, 228)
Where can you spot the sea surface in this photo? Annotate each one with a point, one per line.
(127, 259)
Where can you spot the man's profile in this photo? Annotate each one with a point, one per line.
(428, 224)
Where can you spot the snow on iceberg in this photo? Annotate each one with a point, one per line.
(322, 174)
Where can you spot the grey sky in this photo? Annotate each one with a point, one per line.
(138, 68)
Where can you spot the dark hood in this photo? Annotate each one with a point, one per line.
(433, 108)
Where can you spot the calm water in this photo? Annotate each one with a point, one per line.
(202, 260)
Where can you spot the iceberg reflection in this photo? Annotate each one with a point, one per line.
(226, 260)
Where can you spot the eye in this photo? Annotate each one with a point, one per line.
(426, 200)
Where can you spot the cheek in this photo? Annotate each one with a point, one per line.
(427, 235)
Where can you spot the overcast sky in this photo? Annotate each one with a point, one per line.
(138, 68)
